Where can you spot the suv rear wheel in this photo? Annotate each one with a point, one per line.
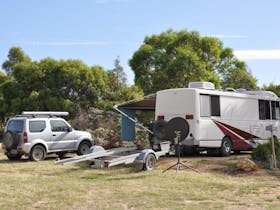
(37, 153)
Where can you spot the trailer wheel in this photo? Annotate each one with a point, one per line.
(150, 162)
(225, 147)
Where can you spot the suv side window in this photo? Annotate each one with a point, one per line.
(37, 126)
(59, 126)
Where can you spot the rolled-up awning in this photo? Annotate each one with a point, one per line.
(147, 103)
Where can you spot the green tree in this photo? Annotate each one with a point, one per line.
(234, 73)
(116, 89)
(274, 88)
(119, 73)
(173, 59)
(68, 85)
(15, 56)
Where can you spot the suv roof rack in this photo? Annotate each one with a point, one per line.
(40, 114)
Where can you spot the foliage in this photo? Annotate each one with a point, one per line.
(16, 55)
(274, 88)
(173, 59)
(238, 77)
(263, 151)
(68, 85)
(117, 90)
(103, 125)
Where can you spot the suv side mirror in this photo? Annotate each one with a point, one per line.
(70, 129)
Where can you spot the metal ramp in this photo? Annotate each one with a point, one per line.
(100, 152)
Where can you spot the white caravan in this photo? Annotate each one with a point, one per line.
(228, 120)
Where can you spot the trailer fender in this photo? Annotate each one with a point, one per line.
(141, 159)
(144, 153)
(95, 149)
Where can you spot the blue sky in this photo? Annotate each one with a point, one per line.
(97, 31)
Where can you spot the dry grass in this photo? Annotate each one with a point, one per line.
(44, 185)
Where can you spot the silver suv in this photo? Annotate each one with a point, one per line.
(37, 134)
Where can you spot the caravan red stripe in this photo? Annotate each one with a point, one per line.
(236, 141)
(241, 133)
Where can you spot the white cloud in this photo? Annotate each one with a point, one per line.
(224, 36)
(70, 43)
(257, 54)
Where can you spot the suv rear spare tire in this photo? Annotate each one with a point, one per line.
(10, 140)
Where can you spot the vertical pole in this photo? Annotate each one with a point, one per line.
(274, 163)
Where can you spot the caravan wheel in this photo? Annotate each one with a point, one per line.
(226, 147)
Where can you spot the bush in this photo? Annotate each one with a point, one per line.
(104, 126)
(263, 151)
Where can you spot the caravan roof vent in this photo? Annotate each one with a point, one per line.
(230, 90)
(202, 85)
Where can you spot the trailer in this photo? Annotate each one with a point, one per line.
(99, 158)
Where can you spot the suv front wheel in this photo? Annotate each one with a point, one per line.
(84, 147)
(37, 153)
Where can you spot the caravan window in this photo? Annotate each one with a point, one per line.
(215, 106)
(209, 106)
(264, 110)
(273, 109)
(205, 106)
(277, 110)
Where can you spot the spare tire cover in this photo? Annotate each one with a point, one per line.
(159, 129)
(177, 124)
(11, 140)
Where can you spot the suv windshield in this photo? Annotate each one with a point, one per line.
(15, 126)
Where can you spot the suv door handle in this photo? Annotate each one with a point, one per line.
(54, 135)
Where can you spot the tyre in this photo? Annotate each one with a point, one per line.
(159, 129)
(10, 140)
(84, 147)
(225, 147)
(150, 162)
(38, 153)
(13, 156)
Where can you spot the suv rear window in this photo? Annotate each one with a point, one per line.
(37, 126)
(15, 126)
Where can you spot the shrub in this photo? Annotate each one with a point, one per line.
(263, 151)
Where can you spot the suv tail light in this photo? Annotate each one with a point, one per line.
(25, 138)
